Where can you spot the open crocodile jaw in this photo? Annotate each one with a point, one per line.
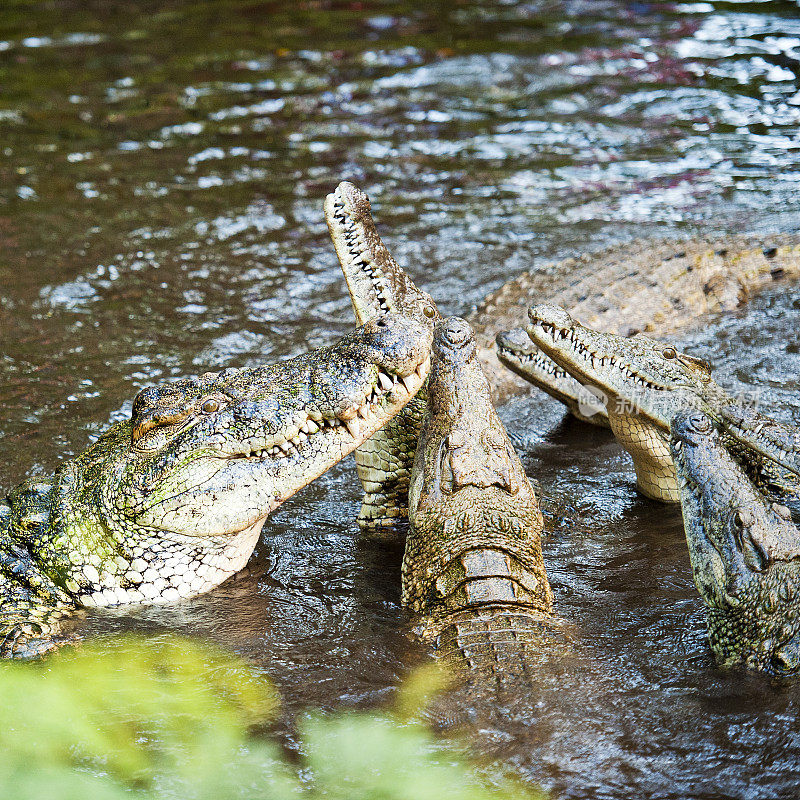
(360, 251)
(655, 401)
(531, 363)
(522, 357)
(566, 347)
(376, 282)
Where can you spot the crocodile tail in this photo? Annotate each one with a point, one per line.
(498, 647)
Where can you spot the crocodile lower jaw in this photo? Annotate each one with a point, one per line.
(537, 361)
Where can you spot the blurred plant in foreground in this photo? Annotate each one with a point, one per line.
(170, 718)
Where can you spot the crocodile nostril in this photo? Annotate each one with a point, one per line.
(550, 315)
(690, 426)
(699, 423)
(456, 332)
(786, 659)
(516, 339)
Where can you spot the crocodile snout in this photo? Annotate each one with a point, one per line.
(691, 426)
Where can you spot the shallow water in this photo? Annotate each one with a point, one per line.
(161, 214)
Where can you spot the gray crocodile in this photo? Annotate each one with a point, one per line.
(473, 568)
(645, 382)
(170, 503)
(745, 553)
(377, 285)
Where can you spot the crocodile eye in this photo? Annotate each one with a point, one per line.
(429, 312)
(669, 352)
(210, 406)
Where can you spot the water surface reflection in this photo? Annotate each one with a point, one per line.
(160, 215)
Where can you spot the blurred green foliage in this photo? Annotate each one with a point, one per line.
(170, 718)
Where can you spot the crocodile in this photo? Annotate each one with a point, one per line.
(744, 551)
(656, 287)
(169, 503)
(473, 569)
(377, 285)
(517, 352)
(646, 382)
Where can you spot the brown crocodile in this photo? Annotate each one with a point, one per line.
(473, 567)
(656, 287)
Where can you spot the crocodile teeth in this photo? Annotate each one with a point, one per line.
(348, 413)
(409, 383)
(310, 426)
(354, 427)
(782, 511)
(386, 382)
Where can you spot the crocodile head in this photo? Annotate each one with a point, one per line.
(475, 535)
(516, 350)
(646, 382)
(218, 454)
(745, 553)
(376, 282)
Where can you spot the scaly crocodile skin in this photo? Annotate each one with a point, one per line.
(473, 568)
(654, 287)
(658, 286)
(377, 284)
(646, 382)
